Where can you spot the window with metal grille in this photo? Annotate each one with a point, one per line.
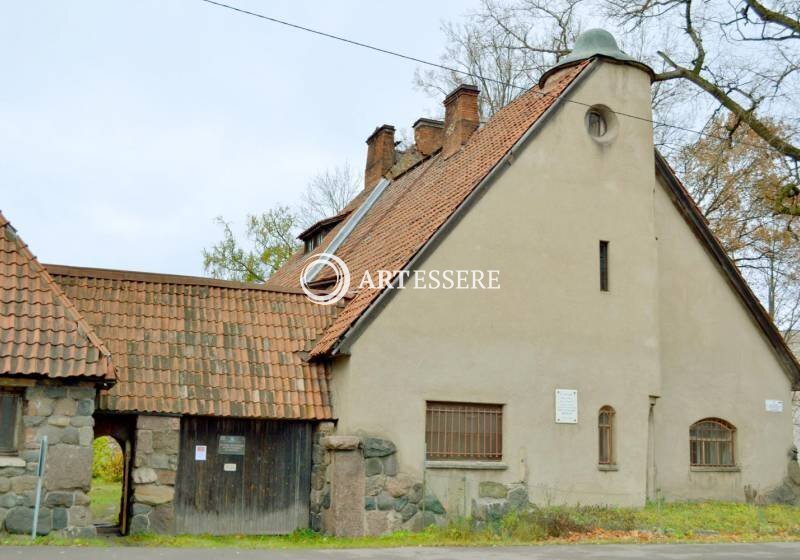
(464, 431)
(711, 443)
(605, 428)
(604, 266)
(9, 421)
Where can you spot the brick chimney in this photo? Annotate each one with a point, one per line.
(428, 135)
(460, 117)
(380, 155)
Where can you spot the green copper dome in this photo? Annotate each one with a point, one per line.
(593, 43)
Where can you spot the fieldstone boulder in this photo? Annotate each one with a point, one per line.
(59, 499)
(374, 484)
(154, 495)
(518, 498)
(80, 532)
(399, 485)
(794, 472)
(415, 493)
(408, 512)
(144, 475)
(139, 524)
(60, 518)
(79, 516)
(432, 504)
(22, 484)
(65, 407)
(422, 520)
(162, 519)
(377, 447)
(69, 466)
(390, 465)
(19, 520)
(385, 501)
(489, 509)
(166, 441)
(373, 467)
(40, 406)
(341, 443)
(489, 489)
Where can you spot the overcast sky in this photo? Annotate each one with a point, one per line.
(126, 126)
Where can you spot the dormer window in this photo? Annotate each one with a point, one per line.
(311, 243)
(313, 236)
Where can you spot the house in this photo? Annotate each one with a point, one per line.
(529, 309)
(622, 359)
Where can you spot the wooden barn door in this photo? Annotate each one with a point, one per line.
(243, 476)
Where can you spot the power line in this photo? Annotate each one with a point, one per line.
(469, 74)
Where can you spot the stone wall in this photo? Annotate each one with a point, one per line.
(64, 414)
(155, 466)
(357, 489)
(495, 500)
(320, 499)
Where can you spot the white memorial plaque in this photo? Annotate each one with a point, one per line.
(199, 452)
(566, 406)
(773, 406)
(230, 467)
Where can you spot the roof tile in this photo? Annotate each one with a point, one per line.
(41, 331)
(198, 346)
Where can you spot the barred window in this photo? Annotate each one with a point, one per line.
(463, 431)
(711, 443)
(605, 428)
(9, 421)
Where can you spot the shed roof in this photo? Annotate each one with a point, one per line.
(188, 345)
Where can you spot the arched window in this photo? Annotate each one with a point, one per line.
(605, 429)
(711, 443)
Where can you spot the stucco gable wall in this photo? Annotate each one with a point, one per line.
(715, 362)
(548, 327)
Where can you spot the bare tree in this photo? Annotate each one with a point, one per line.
(741, 56)
(327, 193)
(500, 51)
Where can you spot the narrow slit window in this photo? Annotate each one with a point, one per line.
(604, 266)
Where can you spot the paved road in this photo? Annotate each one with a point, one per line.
(771, 551)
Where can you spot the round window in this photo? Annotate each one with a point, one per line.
(596, 123)
(601, 123)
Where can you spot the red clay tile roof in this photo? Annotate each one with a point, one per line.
(41, 331)
(186, 345)
(419, 202)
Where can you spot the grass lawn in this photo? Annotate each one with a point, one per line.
(656, 523)
(105, 500)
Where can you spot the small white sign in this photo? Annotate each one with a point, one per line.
(200, 452)
(773, 406)
(566, 406)
(229, 467)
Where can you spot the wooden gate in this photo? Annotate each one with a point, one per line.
(243, 476)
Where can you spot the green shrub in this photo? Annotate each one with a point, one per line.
(107, 460)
